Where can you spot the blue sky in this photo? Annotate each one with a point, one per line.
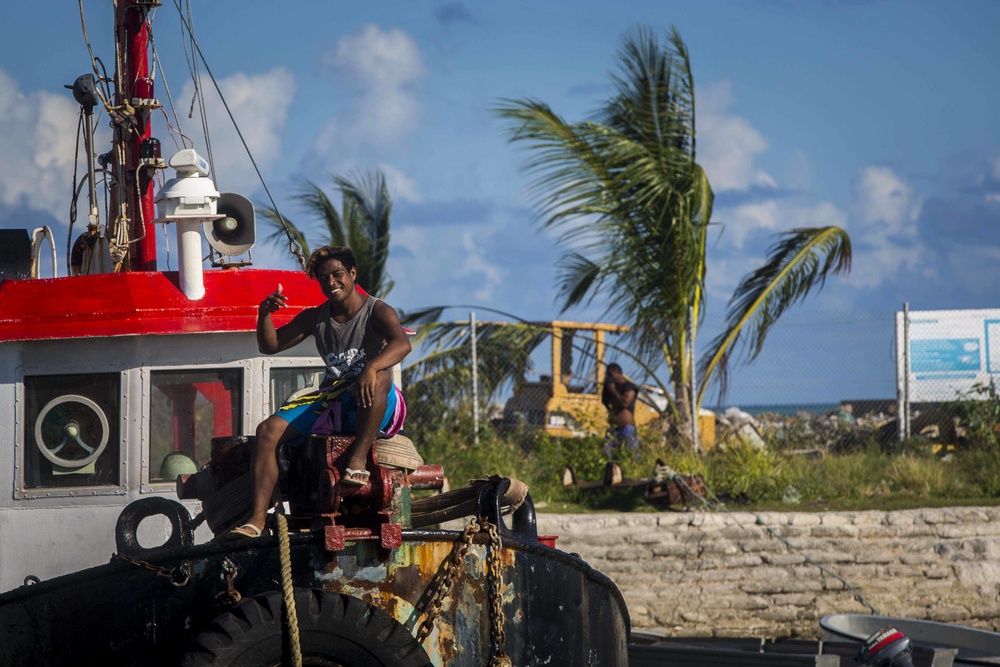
(876, 116)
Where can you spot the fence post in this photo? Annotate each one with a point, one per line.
(906, 378)
(903, 408)
(694, 385)
(475, 379)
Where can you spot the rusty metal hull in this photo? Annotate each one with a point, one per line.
(558, 610)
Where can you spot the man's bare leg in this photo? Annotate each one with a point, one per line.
(271, 433)
(367, 424)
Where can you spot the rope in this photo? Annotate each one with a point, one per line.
(715, 504)
(289, 591)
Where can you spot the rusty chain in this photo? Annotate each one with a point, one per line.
(494, 569)
(442, 586)
(230, 596)
(178, 576)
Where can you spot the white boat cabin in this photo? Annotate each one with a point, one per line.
(110, 386)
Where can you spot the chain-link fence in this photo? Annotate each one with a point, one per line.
(824, 379)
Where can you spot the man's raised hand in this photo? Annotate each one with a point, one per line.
(274, 302)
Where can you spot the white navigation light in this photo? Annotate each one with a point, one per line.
(190, 195)
(190, 200)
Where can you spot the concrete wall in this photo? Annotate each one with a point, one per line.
(724, 574)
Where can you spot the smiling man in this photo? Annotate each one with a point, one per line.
(360, 339)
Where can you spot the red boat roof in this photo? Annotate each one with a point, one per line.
(145, 302)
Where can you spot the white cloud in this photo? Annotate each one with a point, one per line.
(385, 67)
(37, 144)
(872, 265)
(886, 204)
(469, 275)
(883, 228)
(401, 186)
(745, 220)
(727, 144)
(774, 216)
(260, 104)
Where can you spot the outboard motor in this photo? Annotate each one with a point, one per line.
(886, 648)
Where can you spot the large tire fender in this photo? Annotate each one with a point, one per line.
(332, 626)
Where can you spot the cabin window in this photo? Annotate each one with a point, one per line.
(71, 431)
(187, 409)
(287, 381)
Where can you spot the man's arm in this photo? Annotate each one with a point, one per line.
(628, 397)
(611, 397)
(273, 341)
(386, 324)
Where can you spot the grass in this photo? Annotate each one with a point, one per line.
(856, 474)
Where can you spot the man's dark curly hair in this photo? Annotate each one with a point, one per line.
(319, 256)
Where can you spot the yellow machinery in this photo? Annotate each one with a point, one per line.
(566, 405)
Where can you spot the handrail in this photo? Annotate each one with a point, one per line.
(37, 236)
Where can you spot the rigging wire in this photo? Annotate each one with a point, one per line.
(94, 60)
(293, 246)
(173, 131)
(158, 64)
(202, 109)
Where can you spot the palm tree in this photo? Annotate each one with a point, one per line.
(362, 224)
(634, 209)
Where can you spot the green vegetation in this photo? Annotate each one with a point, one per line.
(801, 467)
(362, 223)
(634, 209)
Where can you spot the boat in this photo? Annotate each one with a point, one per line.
(124, 385)
(972, 646)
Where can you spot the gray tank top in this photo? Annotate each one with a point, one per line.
(347, 348)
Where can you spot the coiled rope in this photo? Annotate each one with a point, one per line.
(288, 591)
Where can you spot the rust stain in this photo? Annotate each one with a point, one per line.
(400, 583)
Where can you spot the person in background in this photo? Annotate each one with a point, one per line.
(360, 339)
(618, 396)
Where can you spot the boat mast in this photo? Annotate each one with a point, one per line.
(134, 90)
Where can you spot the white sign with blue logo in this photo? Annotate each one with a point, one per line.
(950, 351)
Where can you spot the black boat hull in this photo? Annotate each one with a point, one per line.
(557, 609)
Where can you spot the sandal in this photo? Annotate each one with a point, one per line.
(354, 477)
(244, 531)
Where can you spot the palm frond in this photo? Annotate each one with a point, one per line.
(577, 277)
(796, 264)
(503, 353)
(312, 198)
(367, 208)
(421, 316)
(278, 237)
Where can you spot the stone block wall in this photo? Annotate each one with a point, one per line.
(775, 574)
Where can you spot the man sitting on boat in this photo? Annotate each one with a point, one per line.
(360, 339)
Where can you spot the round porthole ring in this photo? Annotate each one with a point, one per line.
(70, 463)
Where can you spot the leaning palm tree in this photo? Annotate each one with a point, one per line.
(362, 223)
(634, 207)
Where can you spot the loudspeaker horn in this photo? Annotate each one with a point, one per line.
(235, 233)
